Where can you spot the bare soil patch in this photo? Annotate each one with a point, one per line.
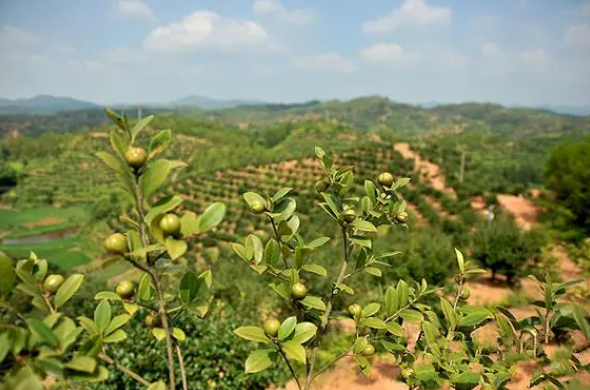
(46, 221)
(524, 211)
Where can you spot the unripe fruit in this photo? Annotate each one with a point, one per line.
(465, 293)
(152, 320)
(385, 179)
(487, 386)
(125, 289)
(355, 309)
(298, 291)
(271, 327)
(401, 217)
(116, 243)
(322, 186)
(136, 157)
(257, 207)
(52, 283)
(369, 350)
(408, 373)
(170, 224)
(349, 215)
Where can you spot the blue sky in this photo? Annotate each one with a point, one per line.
(527, 52)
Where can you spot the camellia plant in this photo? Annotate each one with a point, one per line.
(45, 345)
(444, 350)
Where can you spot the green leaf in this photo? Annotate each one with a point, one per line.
(130, 308)
(175, 248)
(156, 175)
(4, 346)
(116, 323)
(580, 316)
(252, 333)
(395, 329)
(89, 325)
(119, 144)
(163, 206)
(373, 271)
(430, 334)
(373, 322)
(253, 198)
(7, 274)
(107, 295)
(272, 252)
(102, 315)
(314, 268)
(178, 334)
(304, 331)
(460, 260)
(254, 244)
(390, 301)
(294, 351)
(313, 302)
(82, 363)
(67, 290)
(43, 332)
(140, 125)
(189, 286)
(364, 226)
(448, 312)
(287, 327)
(160, 142)
(258, 360)
(159, 333)
(280, 194)
(115, 337)
(362, 242)
(318, 242)
(466, 380)
(159, 385)
(111, 161)
(411, 315)
(211, 217)
(144, 290)
(475, 318)
(359, 345)
(370, 310)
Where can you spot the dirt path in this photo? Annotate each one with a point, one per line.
(524, 211)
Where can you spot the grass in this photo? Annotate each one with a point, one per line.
(30, 222)
(66, 253)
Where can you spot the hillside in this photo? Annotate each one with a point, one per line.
(44, 105)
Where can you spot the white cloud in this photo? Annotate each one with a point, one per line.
(383, 52)
(13, 37)
(412, 13)
(578, 35)
(122, 56)
(275, 9)
(205, 29)
(490, 50)
(534, 57)
(135, 9)
(329, 62)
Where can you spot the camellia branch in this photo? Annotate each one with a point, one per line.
(107, 359)
(290, 366)
(182, 370)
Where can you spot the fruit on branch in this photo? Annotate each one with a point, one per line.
(125, 289)
(322, 186)
(116, 243)
(52, 283)
(271, 327)
(298, 290)
(401, 217)
(487, 386)
(152, 320)
(408, 373)
(465, 293)
(385, 179)
(170, 224)
(257, 207)
(136, 157)
(355, 309)
(349, 215)
(369, 350)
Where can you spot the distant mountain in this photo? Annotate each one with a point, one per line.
(211, 104)
(570, 110)
(43, 104)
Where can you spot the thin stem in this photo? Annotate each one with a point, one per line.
(278, 236)
(329, 364)
(182, 370)
(107, 359)
(458, 294)
(140, 212)
(48, 303)
(289, 365)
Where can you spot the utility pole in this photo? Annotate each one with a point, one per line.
(462, 167)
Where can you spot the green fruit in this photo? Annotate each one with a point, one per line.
(116, 243)
(136, 157)
(299, 291)
(355, 309)
(125, 289)
(465, 293)
(271, 327)
(349, 215)
(487, 386)
(257, 207)
(408, 373)
(152, 320)
(385, 179)
(52, 283)
(369, 350)
(322, 186)
(401, 217)
(170, 224)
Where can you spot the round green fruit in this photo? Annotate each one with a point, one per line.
(170, 224)
(355, 309)
(465, 293)
(52, 283)
(487, 386)
(116, 243)
(349, 215)
(257, 207)
(369, 350)
(385, 179)
(125, 289)
(271, 327)
(136, 157)
(298, 290)
(408, 373)
(322, 186)
(152, 320)
(401, 217)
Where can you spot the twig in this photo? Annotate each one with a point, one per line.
(289, 365)
(182, 370)
(107, 359)
(327, 365)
